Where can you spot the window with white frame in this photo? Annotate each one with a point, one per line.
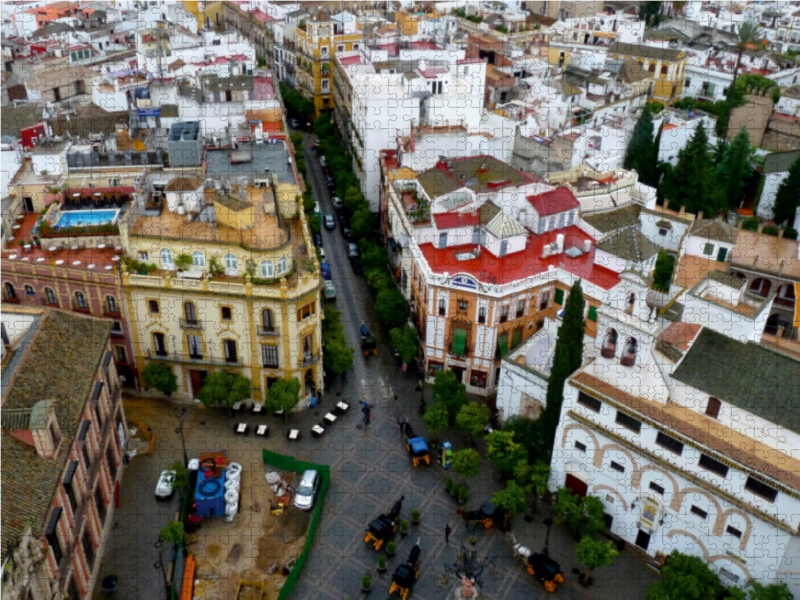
(198, 259)
(231, 265)
(267, 269)
(326, 85)
(167, 259)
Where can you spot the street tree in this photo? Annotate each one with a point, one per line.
(338, 357)
(691, 183)
(567, 359)
(662, 274)
(640, 155)
(378, 279)
(650, 13)
(593, 515)
(568, 510)
(373, 256)
(770, 591)
(734, 169)
(283, 395)
(685, 577)
(436, 417)
(225, 389)
(788, 197)
(527, 433)
(748, 37)
(364, 224)
(448, 390)
(172, 533)
(532, 478)
(594, 554)
(503, 451)
(159, 376)
(472, 418)
(391, 308)
(512, 498)
(405, 341)
(181, 480)
(466, 463)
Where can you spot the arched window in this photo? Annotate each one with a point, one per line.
(267, 269)
(198, 259)
(282, 266)
(610, 346)
(80, 300)
(268, 320)
(631, 303)
(482, 314)
(629, 355)
(761, 287)
(167, 260)
(29, 290)
(111, 304)
(231, 265)
(50, 296)
(190, 313)
(11, 293)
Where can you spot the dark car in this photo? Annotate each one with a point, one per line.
(342, 218)
(329, 222)
(347, 234)
(315, 147)
(318, 240)
(356, 266)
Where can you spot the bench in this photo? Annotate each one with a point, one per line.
(342, 407)
(293, 434)
(237, 407)
(330, 418)
(317, 431)
(241, 429)
(262, 430)
(258, 407)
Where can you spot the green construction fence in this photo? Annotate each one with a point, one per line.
(288, 463)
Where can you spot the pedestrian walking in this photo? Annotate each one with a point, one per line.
(447, 532)
(312, 402)
(404, 367)
(401, 421)
(367, 416)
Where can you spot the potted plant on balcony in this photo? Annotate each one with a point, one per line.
(183, 262)
(214, 268)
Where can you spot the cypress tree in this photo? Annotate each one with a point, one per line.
(788, 197)
(567, 359)
(734, 169)
(656, 163)
(691, 183)
(639, 155)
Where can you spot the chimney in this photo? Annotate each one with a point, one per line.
(682, 211)
(699, 215)
(587, 245)
(560, 242)
(423, 64)
(780, 233)
(666, 204)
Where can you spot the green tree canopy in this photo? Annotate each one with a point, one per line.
(338, 357)
(734, 169)
(225, 389)
(788, 197)
(532, 477)
(295, 103)
(527, 433)
(436, 417)
(503, 451)
(284, 395)
(181, 481)
(691, 183)
(512, 498)
(771, 591)
(472, 418)
(567, 359)
(159, 376)
(364, 224)
(685, 577)
(640, 155)
(593, 515)
(448, 390)
(373, 256)
(405, 341)
(391, 308)
(172, 533)
(662, 274)
(568, 509)
(466, 463)
(594, 554)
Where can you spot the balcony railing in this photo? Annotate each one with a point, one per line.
(79, 308)
(274, 331)
(190, 323)
(180, 357)
(310, 359)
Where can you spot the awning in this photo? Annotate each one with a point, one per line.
(459, 341)
(503, 344)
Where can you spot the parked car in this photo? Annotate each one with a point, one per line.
(164, 485)
(318, 240)
(343, 221)
(355, 264)
(352, 250)
(307, 490)
(329, 182)
(294, 123)
(329, 291)
(325, 268)
(322, 160)
(347, 234)
(330, 224)
(322, 256)
(337, 202)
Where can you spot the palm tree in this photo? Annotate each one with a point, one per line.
(749, 35)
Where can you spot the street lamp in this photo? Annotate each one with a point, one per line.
(179, 430)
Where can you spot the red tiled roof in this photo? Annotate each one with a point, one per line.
(351, 60)
(512, 267)
(261, 16)
(432, 72)
(453, 219)
(553, 202)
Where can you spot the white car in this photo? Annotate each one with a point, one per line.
(329, 291)
(337, 202)
(164, 485)
(307, 490)
(322, 160)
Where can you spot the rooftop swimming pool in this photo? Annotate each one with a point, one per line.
(84, 218)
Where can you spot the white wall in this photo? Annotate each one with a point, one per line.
(515, 381)
(670, 241)
(694, 246)
(725, 321)
(766, 202)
